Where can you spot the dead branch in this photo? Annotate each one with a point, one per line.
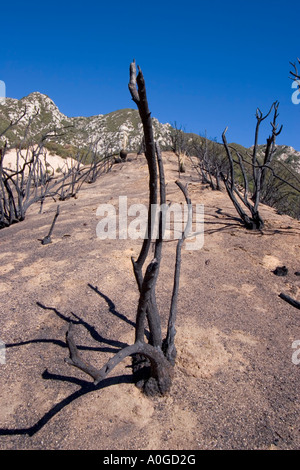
(47, 239)
(169, 343)
(290, 300)
(14, 123)
(295, 74)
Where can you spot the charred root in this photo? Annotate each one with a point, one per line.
(153, 371)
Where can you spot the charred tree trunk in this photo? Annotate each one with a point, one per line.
(153, 362)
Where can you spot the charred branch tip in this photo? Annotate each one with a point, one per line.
(47, 239)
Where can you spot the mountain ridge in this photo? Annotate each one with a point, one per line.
(109, 132)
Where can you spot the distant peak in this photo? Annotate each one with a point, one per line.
(37, 95)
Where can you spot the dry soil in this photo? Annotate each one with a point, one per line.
(236, 385)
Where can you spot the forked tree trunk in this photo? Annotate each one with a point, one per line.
(153, 362)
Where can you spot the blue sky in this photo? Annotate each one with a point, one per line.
(207, 65)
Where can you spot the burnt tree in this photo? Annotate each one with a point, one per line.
(180, 146)
(248, 208)
(31, 181)
(210, 161)
(152, 361)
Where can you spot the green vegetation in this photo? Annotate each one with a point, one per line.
(116, 119)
